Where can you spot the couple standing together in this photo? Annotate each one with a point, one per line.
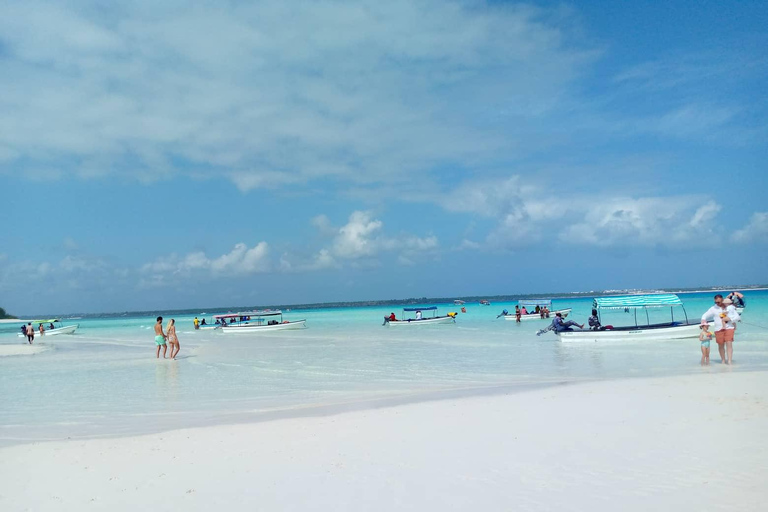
(724, 317)
(161, 337)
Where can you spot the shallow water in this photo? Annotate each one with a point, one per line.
(105, 380)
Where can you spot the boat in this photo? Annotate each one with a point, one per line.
(432, 320)
(256, 321)
(58, 327)
(458, 302)
(485, 302)
(542, 303)
(209, 327)
(672, 330)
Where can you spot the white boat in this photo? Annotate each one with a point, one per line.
(256, 321)
(671, 330)
(541, 303)
(450, 318)
(57, 329)
(458, 302)
(485, 302)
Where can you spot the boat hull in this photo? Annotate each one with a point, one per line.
(536, 316)
(67, 329)
(245, 329)
(411, 322)
(672, 332)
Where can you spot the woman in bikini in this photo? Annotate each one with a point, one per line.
(173, 340)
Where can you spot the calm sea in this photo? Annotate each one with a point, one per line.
(105, 381)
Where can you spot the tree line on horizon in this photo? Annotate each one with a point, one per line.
(5, 316)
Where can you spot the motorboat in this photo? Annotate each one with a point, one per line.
(419, 319)
(58, 328)
(649, 330)
(485, 302)
(256, 321)
(458, 302)
(532, 304)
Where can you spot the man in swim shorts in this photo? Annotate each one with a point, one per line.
(160, 338)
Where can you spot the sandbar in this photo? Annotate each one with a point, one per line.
(691, 442)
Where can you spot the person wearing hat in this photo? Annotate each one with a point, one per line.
(724, 317)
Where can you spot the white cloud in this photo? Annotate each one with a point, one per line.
(354, 239)
(469, 245)
(756, 229)
(705, 214)
(241, 260)
(55, 276)
(359, 242)
(271, 94)
(646, 221)
(531, 213)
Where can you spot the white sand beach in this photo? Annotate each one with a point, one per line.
(675, 443)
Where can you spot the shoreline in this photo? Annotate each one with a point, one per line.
(663, 442)
(305, 411)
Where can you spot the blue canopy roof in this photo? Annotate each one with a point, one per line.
(535, 302)
(430, 308)
(637, 301)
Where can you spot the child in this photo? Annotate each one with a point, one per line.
(704, 337)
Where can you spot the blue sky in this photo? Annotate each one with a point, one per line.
(163, 157)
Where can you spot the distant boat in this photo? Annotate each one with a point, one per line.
(485, 302)
(541, 303)
(458, 302)
(434, 319)
(257, 321)
(58, 328)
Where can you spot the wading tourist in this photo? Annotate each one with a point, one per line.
(160, 337)
(724, 317)
(173, 340)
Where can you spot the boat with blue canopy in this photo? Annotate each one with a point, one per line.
(658, 317)
(256, 321)
(531, 313)
(419, 317)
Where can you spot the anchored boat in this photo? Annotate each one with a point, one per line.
(649, 330)
(257, 321)
(541, 304)
(57, 329)
(420, 319)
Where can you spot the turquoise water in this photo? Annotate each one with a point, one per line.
(105, 380)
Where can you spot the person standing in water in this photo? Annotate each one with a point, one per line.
(160, 337)
(724, 317)
(173, 340)
(705, 337)
(30, 333)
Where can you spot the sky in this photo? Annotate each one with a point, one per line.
(167, 155)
